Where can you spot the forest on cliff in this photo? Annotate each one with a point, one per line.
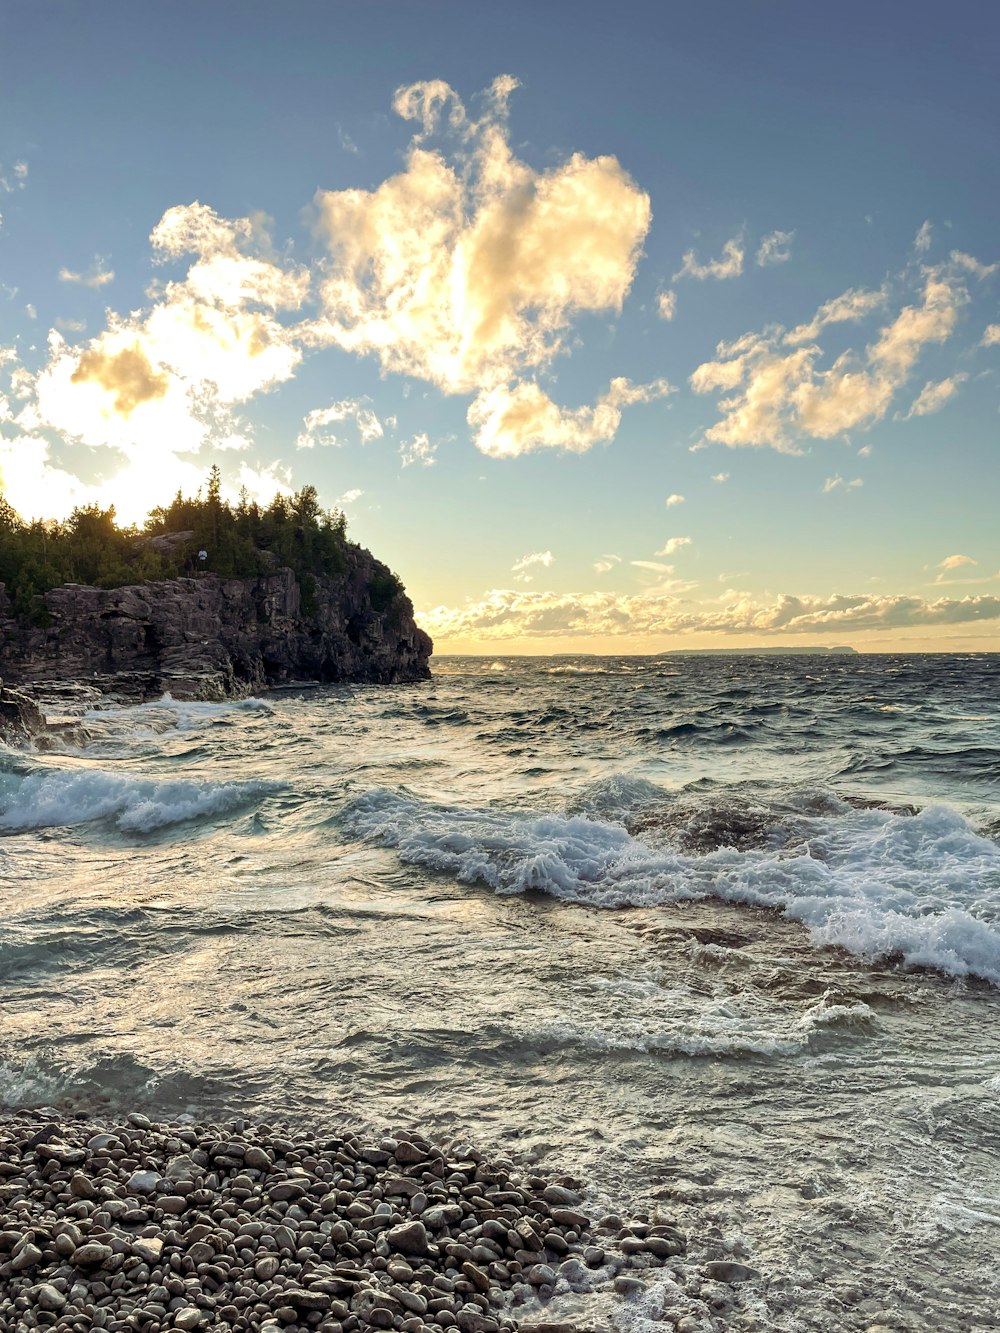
(186, 538)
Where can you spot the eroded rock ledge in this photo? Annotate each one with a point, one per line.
(213, 638)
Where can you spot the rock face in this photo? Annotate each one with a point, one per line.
(213, 638)
(20, 718)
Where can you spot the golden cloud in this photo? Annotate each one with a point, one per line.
(127, 375)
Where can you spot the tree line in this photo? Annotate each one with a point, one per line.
(189, 536)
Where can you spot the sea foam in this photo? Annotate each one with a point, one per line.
(924, 886)
(51, 798)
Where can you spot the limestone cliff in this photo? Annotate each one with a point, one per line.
(211, 637)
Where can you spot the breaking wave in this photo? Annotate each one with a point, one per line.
(924, 886)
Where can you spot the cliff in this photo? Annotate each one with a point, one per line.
(211, 637)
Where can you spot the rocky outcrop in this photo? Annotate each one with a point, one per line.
(213, 638)
(20, 717)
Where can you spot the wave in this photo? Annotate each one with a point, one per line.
(50, 798)
(923, 886)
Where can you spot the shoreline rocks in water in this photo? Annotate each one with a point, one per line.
(215, 638)
(20, 717)
(152, 1227)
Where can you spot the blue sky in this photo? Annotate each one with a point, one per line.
(501, 281)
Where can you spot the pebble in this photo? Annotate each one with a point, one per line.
(197, 1226)
(722, 1270)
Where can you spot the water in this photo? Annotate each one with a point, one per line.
(721, 935)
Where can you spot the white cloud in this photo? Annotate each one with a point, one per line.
(606, 563)
(98, 275)
(467, 270)
(956, 561)
(666, 304)
(16, 179)
(513, 420)
(652, 566)
(991, 336)
(673, 545)
(349, 497)
(933, 396)
(159, 384)
(775, 248)
(544, 558)
(720, 476)
(730, 265)
(973, 265)
(778, 398)
(673, 500)
(850, 307)
(839, 484)
(922, 240)
(314, 424)
(418, 450)
(524, 613)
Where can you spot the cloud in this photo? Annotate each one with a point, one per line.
(349, 497)
(839, 484)
(775, 248)
(666, 304)
(96, 276)
(544, 558)
(513, 420)
(126, 374)
(729, 266)
(673, 500)
(606, 563)
(673, 544)
(991, 336)
(956, 561)
(778, 398)
(418, 450)
(467, 269)
(720, 476)
(653, 567)
(314, 423)
(922, 240)
(933, 396)
(850, 307)
(17, 179)
(161, 383)
(523, 613)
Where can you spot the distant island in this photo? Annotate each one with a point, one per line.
(207, 600)
(758, 652)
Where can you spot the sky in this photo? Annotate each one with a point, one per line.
(610, 328)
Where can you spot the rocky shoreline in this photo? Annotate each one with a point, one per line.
(217, 638)
(182, 1225)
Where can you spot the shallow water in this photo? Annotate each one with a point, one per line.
(716, 933)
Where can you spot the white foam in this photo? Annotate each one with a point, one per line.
(166, 713)
(925, 886)
(50, 798)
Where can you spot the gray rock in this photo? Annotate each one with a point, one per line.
(409, 1238)
(144, 1182)
(27, 1257)
(48, 1297)
(557, 1194)
(92, 1255)
(722, 1270)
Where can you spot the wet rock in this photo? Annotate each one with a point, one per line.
(723, 1270)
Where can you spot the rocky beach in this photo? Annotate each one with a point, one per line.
(257, 1229)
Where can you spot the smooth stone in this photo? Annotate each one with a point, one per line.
(92, 1254)
(722, 1270)
(628, 1286)
(409, 1238)
(27, 1257)
(49, 1297)
(144, 1182)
